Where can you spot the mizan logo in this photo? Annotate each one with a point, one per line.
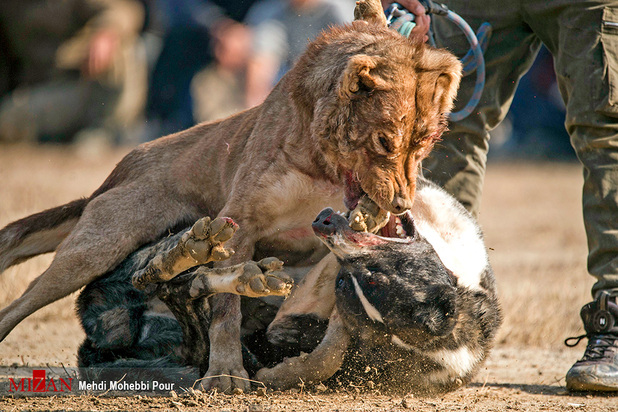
(39, 383)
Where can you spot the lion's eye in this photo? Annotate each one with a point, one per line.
(386, 144)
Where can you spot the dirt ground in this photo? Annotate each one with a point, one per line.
(531, 217)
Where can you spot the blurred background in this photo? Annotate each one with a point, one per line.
(101, 73)
(84, 81)
(105, 73)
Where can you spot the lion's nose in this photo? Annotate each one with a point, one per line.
(401, 204)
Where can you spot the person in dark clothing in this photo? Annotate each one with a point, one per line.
(189, 27)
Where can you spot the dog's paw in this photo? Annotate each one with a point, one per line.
(204, 241)
(284, 375)
(264, 278)
(268, 377)
(367, 216)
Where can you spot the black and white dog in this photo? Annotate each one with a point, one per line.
(415, 312)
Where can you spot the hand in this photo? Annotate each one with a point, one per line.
(232, 45)
(422, 20)
(101, 52)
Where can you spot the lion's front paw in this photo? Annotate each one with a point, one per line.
(264, 278)
(204, 241)
(201, 244)
(367, 216)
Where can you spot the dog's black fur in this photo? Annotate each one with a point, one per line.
(414, 324)
(130, 328)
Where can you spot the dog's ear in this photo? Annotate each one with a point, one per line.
(358, 76)
(442, 310)
(441, 71)
(370, 11)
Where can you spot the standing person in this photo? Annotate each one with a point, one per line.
(70, 70)
(582, 37)
(189, 28)
(284, 29)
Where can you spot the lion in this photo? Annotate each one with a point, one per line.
(356, 115)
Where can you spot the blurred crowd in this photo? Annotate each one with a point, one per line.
(128, 71)
(122, 72)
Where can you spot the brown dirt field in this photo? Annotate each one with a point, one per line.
(532, 221)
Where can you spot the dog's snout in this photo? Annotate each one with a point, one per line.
(323, 224)
(401, 204)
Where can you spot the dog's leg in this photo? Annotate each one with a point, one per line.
(309, 306)
(316, 366)
(186, 296)
(203, 243)
(193, 315)
(108, 230)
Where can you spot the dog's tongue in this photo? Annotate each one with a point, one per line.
(352, 191)
(390, 229)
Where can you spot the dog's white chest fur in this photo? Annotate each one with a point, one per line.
(453, 234)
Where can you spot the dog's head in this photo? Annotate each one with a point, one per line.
(379, 103)
(393, 287)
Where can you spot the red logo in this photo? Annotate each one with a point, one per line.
(39, 383)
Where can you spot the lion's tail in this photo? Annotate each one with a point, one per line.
(39, 233)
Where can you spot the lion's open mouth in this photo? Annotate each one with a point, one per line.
(352, 190)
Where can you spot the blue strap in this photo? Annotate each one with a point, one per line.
(402, 21)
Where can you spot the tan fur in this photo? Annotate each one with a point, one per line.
(363, 103)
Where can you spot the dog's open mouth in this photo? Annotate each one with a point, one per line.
(368, 217)
(401, 226)
(335, 230)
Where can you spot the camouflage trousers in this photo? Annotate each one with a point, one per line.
(582, 36)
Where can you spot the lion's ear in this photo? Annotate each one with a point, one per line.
(442, 72)
(357, 76)
(370, 11)
(445, 91)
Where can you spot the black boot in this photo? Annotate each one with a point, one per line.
(598, 369)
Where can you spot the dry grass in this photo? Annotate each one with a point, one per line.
(531, 216)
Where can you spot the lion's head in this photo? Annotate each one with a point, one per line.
(379, 103)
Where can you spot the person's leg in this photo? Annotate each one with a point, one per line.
(457, 163)
(583, 37)
(186, 50)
